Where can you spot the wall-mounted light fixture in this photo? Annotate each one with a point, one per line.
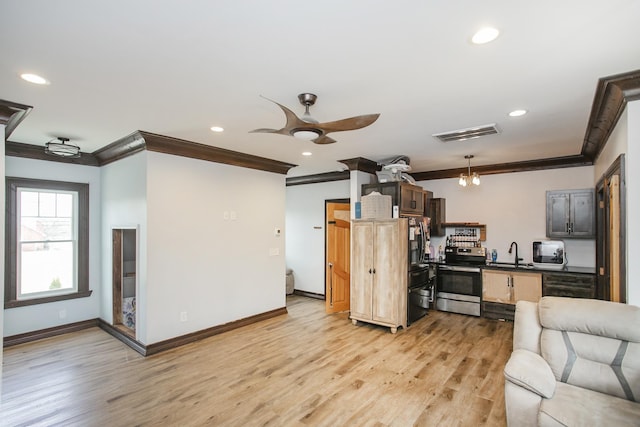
(469, 178)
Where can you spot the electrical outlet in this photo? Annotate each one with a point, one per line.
(62, 314)
(183, 316)
(274, 251)
(225, 215)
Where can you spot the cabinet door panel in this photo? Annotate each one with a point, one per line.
(386, 246)
(361, 263)
(582, 214)
(557, 215)
(495, 286)
(526, 287)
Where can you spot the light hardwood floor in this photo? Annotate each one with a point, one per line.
(305, 368)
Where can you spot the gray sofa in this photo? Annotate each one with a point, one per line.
(575, 362)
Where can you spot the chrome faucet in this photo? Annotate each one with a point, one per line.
(518, 259)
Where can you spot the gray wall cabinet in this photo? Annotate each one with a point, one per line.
(571, 214)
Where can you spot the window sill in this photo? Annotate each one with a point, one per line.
(34, 301)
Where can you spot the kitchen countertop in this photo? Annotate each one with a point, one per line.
(529, 267)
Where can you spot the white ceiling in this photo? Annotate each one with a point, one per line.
(177, 68)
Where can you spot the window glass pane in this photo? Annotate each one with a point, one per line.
(64, 205)
(46, 267)
(47, 204)
(29, 203)
(39, 229)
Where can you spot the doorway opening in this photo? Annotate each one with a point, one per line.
(125, 257)
(611, 233)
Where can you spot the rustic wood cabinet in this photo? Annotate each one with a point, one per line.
(379, 272)
(571, 213)
(409, 198)
(502, 289)
(569, 285)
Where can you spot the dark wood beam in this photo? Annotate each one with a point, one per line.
(318, 178)
(528, 165)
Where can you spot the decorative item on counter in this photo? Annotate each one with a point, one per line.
(375, 206)
(494, 255)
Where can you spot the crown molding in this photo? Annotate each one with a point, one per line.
(361, 164)
(609, 101)
(11, 114)
(141, 140)
(30, 151)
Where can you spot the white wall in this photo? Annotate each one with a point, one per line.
(124, 205)
(31, 318)
(633, 202)
(616, 145)
(215, 270)
(2, 197)
(305, 209)
(513, 208)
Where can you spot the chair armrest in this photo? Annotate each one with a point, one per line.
(530, 371)
(526, 327)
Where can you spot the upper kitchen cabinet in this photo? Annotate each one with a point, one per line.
(435, 209)
(409, 198)
(571, 214)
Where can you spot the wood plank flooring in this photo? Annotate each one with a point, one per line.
(305, 368)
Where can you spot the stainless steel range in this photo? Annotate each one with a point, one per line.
(459, 281)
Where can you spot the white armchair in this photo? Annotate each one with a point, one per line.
(575, 362)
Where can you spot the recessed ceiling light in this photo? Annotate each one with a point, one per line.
(485, 35)
(307, 153)
(34, 78)
(518, 113)
(217, 129)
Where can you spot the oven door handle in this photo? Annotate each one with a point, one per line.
(459, 268)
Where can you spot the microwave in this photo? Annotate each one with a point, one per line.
(549, 254)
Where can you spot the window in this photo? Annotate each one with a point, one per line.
(47, 241)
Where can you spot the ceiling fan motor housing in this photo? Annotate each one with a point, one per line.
(307, 99)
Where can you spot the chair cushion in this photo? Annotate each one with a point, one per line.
(594, 354)
(594, 317)
(575, 406)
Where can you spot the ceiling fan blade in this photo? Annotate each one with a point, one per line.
(323, 139)
(351, 123)
(266, 130)
(293, 121)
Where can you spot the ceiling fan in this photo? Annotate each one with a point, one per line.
(306, 127)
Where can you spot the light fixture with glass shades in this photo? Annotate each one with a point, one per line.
(469, 178)
(60, 148)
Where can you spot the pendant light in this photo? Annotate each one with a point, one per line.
(469, 178)
(62, 149)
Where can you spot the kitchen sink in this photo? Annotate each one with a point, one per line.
(510, 265)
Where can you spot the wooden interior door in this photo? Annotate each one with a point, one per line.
(614, 238)
(611, 258)
(338, 242)
(117, 276)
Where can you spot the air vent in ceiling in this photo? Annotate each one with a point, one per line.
(470, 133)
